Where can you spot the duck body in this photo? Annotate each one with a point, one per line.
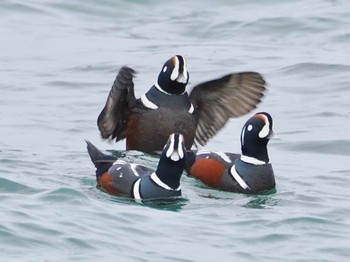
(250, 172)
(228, 172)
(126, 179)
(167, 107)
(148, 128)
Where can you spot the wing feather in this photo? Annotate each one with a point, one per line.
(112, 120)
(220, 99)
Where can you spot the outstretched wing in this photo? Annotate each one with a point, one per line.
(112, 121)
(218, 100)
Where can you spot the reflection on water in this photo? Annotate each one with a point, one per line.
(266, 200)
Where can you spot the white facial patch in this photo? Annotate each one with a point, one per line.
(175, 72)
(175, 156)
(250, 127)
(266, 129)
(175, 75)
(171, 147)
(172, 153)
(183, 78)
(164, 69)
(242, 136)
(185, 66)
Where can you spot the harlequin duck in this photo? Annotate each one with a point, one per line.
(250, 172)
(167, 108)
(122, 178)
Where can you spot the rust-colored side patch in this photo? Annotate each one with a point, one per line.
(104, 182)
(208, 170)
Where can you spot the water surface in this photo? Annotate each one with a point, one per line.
(58, 60)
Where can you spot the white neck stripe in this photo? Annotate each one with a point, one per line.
(159, 182)
(147, 103)
(238, 178)
(160, 89)
(252, 160)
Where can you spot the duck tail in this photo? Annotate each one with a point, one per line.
(101, 161)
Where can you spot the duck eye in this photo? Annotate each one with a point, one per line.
(164, 69)
(250, 127)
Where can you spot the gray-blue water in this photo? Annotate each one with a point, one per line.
(58, 59)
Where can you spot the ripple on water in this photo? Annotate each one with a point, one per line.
(315, 69)
(59, 59)
(9, 186)
(64, 195)
(23, 8)
(332, 147)
(263, 201)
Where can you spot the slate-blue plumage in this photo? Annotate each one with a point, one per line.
(250, 172)
(122, 178)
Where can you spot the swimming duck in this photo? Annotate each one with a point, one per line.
(250, 172)
(126, 179)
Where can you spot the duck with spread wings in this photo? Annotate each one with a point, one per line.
(167, 108)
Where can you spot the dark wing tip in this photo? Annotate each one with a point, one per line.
(111, 121)
(124, 77)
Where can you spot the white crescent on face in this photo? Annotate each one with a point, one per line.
(175, 74)
(173, 153)
(266, 128)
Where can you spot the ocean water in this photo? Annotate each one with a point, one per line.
(58, 59)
